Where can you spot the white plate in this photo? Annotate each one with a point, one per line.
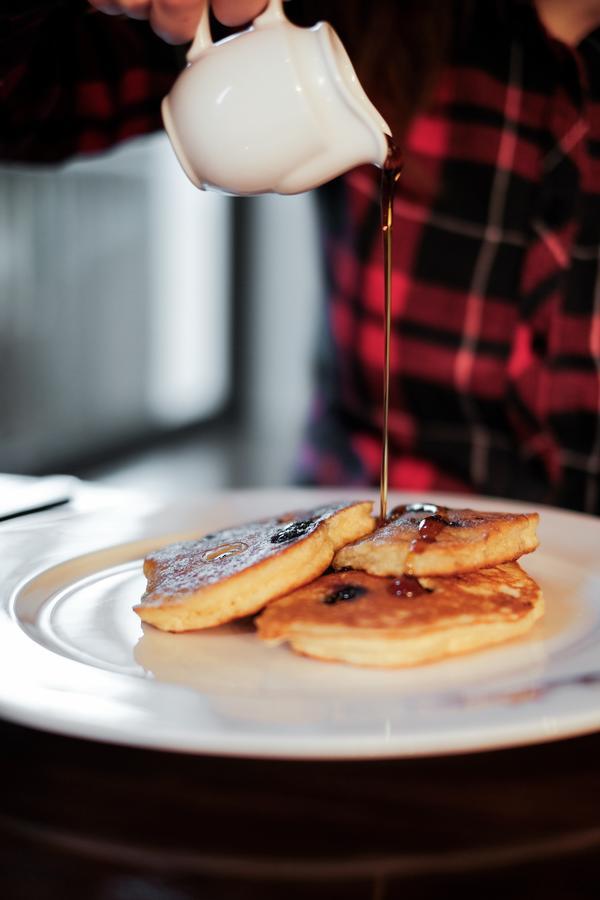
(75, 659)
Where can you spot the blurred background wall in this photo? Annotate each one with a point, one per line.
(150, 334)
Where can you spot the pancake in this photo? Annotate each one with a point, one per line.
(354, 617)
(424, 539)
(235, 572)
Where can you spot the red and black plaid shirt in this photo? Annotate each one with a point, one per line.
(495, 383)
(496, 341)
(76, 81)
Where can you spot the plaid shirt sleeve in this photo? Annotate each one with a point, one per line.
(76, 81)
(496, 287)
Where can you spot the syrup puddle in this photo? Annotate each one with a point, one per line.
(224, 551)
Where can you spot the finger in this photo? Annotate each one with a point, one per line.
(137, 9)
(237, 12)
(176, 20)
(110, 9)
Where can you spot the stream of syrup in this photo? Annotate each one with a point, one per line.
(392, 170)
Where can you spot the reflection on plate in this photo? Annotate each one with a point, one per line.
(78, 660)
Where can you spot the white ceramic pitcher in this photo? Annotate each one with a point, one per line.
(275, 108)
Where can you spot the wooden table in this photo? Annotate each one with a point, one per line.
(99, 822)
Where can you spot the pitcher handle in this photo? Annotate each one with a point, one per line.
(273, 13)
(203, 38)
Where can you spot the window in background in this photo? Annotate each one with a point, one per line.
(114, 305)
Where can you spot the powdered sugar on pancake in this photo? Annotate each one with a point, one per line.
(184, 567)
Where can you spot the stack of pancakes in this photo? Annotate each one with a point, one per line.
(428, 583)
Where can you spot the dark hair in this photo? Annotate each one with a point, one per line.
(397, 46)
